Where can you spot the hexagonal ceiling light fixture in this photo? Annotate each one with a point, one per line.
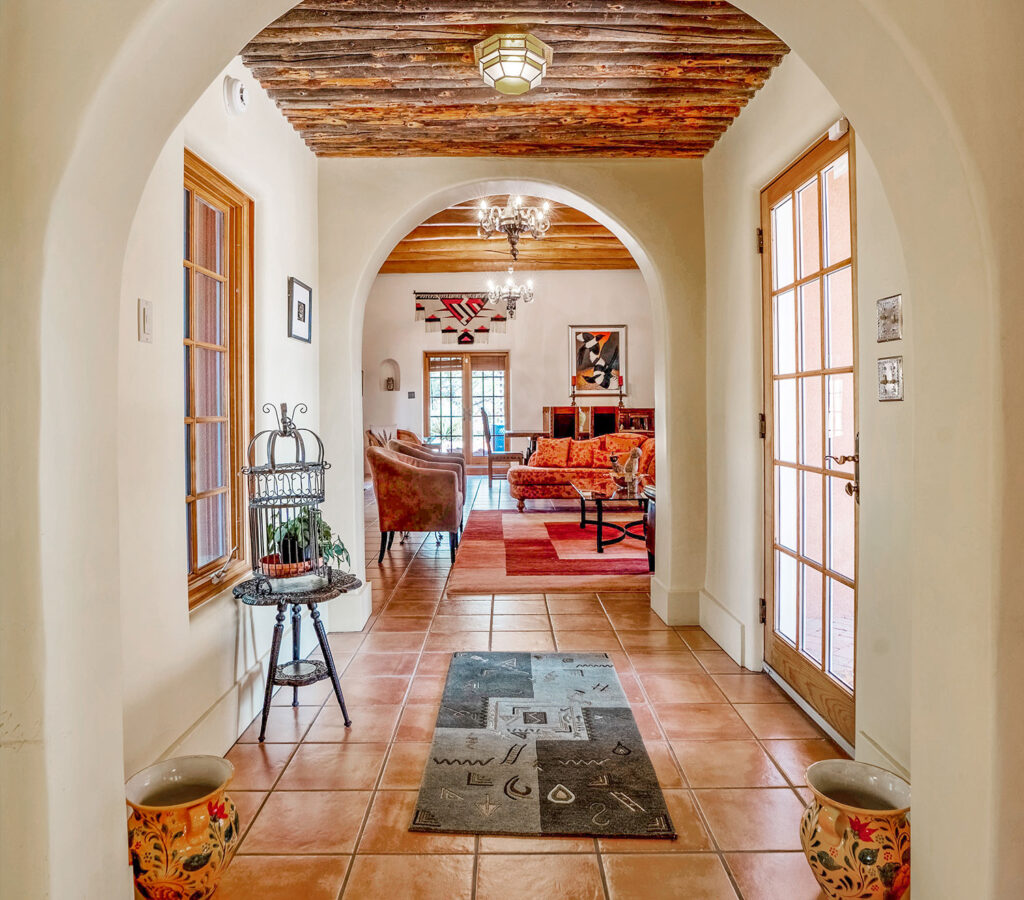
(512, 62)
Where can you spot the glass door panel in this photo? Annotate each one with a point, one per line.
(810, 378)
(458, 387)
(445, 387)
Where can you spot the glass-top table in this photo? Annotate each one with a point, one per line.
(596, 498)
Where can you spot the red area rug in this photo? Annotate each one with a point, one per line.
(506, 552)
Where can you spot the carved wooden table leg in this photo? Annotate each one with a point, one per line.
(321, 634)
(275, 649)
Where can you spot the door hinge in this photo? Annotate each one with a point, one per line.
(764, 611)
(760, 240)
(762, 424)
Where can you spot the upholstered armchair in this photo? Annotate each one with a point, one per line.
(410, 437)
(425, 454)
(415, 495)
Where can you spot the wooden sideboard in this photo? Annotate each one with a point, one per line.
(580, 422)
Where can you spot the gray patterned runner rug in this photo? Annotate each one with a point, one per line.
(538, 744)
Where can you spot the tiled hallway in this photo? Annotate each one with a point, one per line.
(325, 810)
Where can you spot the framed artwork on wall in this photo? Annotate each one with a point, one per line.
(597, 359)
(300, 311)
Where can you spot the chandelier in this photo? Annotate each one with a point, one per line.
(510, 292)
(512, 63)
(514, 220)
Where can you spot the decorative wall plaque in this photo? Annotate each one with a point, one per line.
(890, 378)
(890, 318)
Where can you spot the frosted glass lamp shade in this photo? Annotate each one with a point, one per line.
(512, 63)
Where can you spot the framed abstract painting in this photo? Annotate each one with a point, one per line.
(597, 359)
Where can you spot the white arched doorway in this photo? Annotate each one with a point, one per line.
(77, 166)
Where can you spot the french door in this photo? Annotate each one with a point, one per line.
(457, 386)
(810, 354)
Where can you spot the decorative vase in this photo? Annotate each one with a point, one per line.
(855, 832)
(183, 828)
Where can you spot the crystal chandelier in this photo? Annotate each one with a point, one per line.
(512, 63)
(510, 292)
(514, 220)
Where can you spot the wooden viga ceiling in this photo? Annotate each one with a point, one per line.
(448, 242)
(397, 78)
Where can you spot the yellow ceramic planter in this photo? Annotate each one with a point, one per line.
(183, 827)
(856, 833)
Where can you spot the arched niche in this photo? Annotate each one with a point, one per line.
(389, 368)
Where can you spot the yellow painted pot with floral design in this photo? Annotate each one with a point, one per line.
(183, 828)
(856, 833)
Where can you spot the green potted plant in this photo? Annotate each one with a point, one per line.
(290, 543)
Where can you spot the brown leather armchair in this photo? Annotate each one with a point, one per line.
(415, 495)
(425, 454)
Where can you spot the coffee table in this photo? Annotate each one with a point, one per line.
(596, 498)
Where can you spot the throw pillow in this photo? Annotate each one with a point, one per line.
(603, 459)
(552, 453)
(646, 456)
(622, 442)
(581, 453)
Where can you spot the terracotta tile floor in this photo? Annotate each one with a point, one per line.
(326, 809)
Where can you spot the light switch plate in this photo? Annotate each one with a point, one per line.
(145, 321)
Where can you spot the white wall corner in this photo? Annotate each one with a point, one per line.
(871, 751)
(675, 607)
(725, 629)
(350, 611)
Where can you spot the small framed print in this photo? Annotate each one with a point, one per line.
(890, 318)
(890, 378)
(300, 311)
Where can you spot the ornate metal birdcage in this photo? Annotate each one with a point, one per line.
(290, 539)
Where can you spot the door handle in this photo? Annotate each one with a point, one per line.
(842, 460)
(852, 487)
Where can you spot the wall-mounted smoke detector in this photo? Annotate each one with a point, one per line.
(236, 95)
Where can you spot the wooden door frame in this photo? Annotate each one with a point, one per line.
(828, 698)
(467, 408)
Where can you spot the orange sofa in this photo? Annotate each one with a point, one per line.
(559, 462)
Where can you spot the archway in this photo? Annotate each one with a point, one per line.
(84, 158)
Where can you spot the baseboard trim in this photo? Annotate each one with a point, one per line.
(814, 715)
(723, 627)
(675, 607)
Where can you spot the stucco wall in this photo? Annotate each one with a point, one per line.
(792, 111)
(194, 680)
(537, 340)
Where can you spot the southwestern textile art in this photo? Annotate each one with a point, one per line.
(538, 744)
(460, 317)
(597, 359)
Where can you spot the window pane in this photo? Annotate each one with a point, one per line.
(211, 456)
(841, 631)
(810, 326)
(188, 218)
(785, 595)
(807, 203)
(786, 506)
(188, 375)
(785, 420)
(813, 506)
(841, 517)
(810, 633)
(839, 323)
(211, 527)
(785, 333)
(782, 243)
(209, 382)
(837, 210)
(209, 237)
(839, 431)
(209, 309)
(188, 459)
(810, 411)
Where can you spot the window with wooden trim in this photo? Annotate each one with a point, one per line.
(217, 339)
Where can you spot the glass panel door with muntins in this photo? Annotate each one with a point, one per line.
(458, 386)
(444, 401)
(811, 444)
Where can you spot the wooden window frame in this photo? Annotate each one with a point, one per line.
(204, 180)
(473, 463)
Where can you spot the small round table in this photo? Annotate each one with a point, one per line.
(298, 672)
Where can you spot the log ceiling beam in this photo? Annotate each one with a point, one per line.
(397, 77)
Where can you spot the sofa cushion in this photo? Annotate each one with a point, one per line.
(523, 475)
(602, 459)
(621, 442)
(551, 453)
(581, 453)
(646, 456)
